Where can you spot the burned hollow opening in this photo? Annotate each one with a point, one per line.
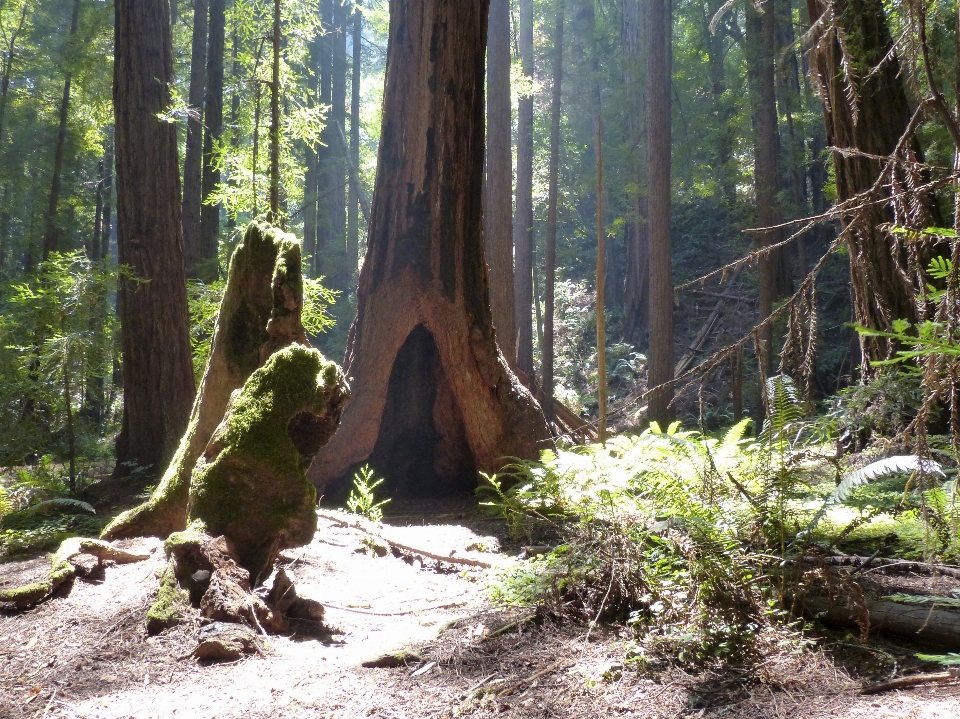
(421, 450)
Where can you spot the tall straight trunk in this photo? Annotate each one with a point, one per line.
(213, 132)
(433, 398)
(498, 210)
(636, 289)
(310, 206)
(328, 141)
(275, 118)
(8, 59)
(552, 198)
(523, 222)
(353, 197)
(93, 246)
(346, 266)
(659, 53)
(601, 287)
(107, 191)
(157, 365)
(193, 157)
(761, 34)
(4, 227)
(725, 128)
(881, 292)
(51, 235)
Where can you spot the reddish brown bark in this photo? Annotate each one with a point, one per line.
(423, 342)
(157, 367)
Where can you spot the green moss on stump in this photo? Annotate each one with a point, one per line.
(250, 483)
(167, 609)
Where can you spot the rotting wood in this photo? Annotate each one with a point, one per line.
(880, 564)
(911, 681)
(707, 327)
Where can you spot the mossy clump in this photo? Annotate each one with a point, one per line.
(259, 314)
(167, 609)
(250, 484)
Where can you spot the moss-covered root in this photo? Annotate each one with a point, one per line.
(259, 313)
(63, 570)
(170, 604)
(250, 483)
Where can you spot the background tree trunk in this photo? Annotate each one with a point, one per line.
(498, 212)
(551, 249)
(213, 132)
(346, 266)
(433, 398)
(353, 193)
(636, 283)
(659, 54)
(51, 235)
(523, 223)
(193, 157)
(275, 119)
(157, 366)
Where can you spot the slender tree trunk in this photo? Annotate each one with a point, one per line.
(874, 125)
(107, 193)
(434, 400)
(193, 157)
(51, 235)
(8, 65)
(659, 63)
(552, 198)
(353, 197)
(213, 132)
(498, 211)
(275, 118)
(93, 246)
(523, 222)
(761, 33)
(601, 287)
(346, 265)
(157, 367)
(636, 283)
(328, 141)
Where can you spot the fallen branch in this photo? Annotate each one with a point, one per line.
(911, 681)
(876, 564)
(510, 689)
(364, 526)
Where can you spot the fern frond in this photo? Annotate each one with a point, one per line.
(948, 660)
(60, 503)
(735, 433)
(881, 469)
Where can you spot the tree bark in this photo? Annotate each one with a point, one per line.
(761, 34)
(275, 119)
(636, 283)
(107, 192)
(874, 125)
(213, 132)
(51, 235)
(498, 210)
(433, 398)
(551, 249)
(659, 63)
(346, 266)
(523, 223)
(157, 367)
(354, 191)
(193, 157)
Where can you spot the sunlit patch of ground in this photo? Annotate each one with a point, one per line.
(87, 654)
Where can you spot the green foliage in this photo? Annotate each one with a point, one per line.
(362, 499)
(947, 660)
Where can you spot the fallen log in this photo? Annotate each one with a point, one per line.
(875, 564)
(927, 624)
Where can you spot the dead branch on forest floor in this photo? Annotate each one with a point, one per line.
(911, 681)
(364, 526)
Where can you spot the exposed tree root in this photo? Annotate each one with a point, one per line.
(64, 567)
(912, 681)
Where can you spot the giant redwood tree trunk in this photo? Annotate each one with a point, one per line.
(157, 367)
(433, 397)
(873, 124)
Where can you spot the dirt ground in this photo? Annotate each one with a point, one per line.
(87, 653)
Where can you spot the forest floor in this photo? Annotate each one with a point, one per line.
(87, 653)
